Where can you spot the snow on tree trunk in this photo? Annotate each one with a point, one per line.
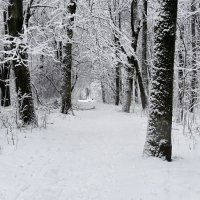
(67, 61)
(131, 68)
(117, 69)
(133, 63)
(158, 139)
(194, 81)
(20, 62)
(128, 89)
(5, 71)
(4, 84)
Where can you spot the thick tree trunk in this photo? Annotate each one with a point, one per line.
(66, 87)
(67, 62)
(117, 27)
(158, 139)
(20, 63)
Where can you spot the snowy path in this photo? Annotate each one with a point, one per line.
(96, 155)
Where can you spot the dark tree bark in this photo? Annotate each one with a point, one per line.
(117, 70)
(5, 71)
(28, 13)
(119, 64)
(144, 46)
(103, 91)
(116, 19)
(4, 85)
(194, 81)
(158, 139)
(20, 63)
(136, 92)
(128, 89)
(67, 61)
(131, 68)
(181, 84)
(59, 51)
(133, 63)
(117, 80)
(141, 86)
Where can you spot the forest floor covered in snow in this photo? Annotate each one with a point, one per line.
(95, 155)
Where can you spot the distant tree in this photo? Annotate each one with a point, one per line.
(158, 139)
(67, 60)
(133, 66)
(115, 16)
(194, 82)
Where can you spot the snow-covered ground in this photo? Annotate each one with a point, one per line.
(95, 155)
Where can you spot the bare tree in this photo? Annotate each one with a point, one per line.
(5, 69)
(144, 45)
(20, 62)
(194, 81)
(133, 62)
(158, 139)
(67, 61)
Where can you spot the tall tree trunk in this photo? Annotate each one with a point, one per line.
(194, 81)
(117, 70)
(133, 63)
(67, 61)
(20, 63)
(144, 46)
(158, 139)
(5, 71)
(131, 68)
(116, 35)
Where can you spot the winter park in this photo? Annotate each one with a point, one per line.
(99, 100)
